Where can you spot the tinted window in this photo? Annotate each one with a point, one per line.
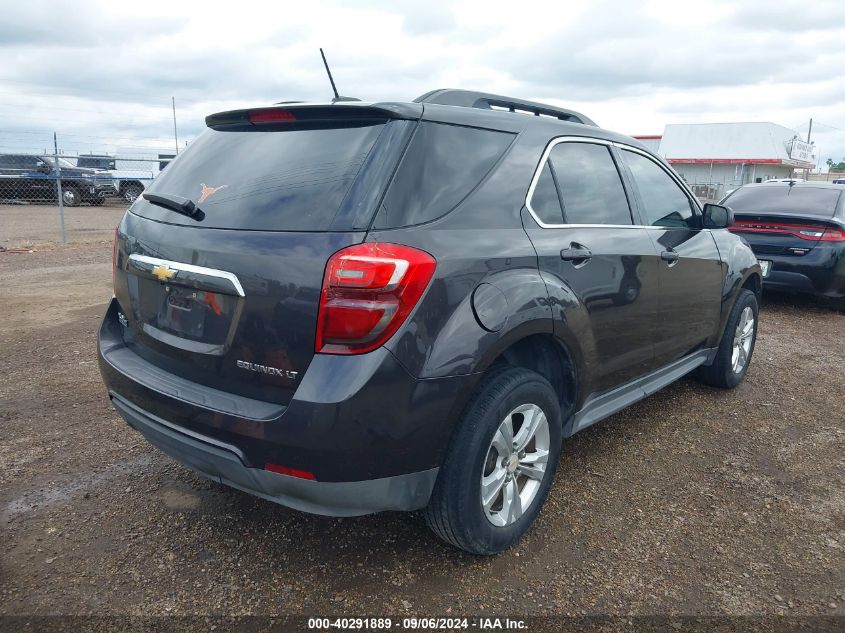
(544, 201)
(589, 184)
(784, 199)
(292, 179)
(7, 162)
(664, 202)
(442, 166)
(95, 162)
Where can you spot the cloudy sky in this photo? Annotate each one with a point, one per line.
(102, 74)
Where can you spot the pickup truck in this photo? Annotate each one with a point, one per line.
(129, 183)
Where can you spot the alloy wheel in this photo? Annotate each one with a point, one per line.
(743, 338)
(515, 466)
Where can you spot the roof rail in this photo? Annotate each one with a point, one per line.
(485, 101)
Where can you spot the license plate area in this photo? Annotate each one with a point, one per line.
(182, 312)
(765, 266)
(185, 306)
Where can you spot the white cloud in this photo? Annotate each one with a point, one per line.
(102, 73)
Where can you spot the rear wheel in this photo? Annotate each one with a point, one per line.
(132, 192)
(734, 355)
(500, 463)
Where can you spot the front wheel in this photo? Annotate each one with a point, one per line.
(71, 197)
(734, 354)
(500, 463)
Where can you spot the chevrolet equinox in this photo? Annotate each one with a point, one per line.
(349, 308)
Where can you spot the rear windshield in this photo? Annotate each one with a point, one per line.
(784, 199)
(271, 180)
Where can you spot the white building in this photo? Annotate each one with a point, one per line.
(717, 157)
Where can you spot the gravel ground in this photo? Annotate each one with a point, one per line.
(694, 501)
(35, 225)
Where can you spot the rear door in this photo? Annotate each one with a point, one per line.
(230, 299)
(691, 271)
(585, 237)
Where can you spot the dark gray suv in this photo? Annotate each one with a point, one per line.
(352, 308)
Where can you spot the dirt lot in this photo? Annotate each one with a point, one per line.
(695, 501)
(32, 225)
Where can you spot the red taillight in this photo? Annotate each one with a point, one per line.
(804, 231)
(114, 258)
(368, 292)
(291, 472)
(833, 235)
(271, 116)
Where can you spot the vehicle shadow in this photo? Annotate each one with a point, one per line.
(791, 300)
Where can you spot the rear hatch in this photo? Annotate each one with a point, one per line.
(229, 298)
(785, 220)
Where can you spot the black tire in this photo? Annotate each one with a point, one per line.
(455, 512)
(71, 196)
(722, 372)
(131, 192)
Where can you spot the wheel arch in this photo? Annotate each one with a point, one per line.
(546, 355)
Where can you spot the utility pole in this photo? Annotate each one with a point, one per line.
(175, 135)
(809, 135)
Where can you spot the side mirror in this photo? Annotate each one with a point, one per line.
(44, 168)
(717, 216)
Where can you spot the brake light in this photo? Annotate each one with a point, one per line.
(368, 292)
(114, 259)
(803, 231)
(271, 116)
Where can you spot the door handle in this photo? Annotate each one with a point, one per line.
(669, 256)
(576, 253)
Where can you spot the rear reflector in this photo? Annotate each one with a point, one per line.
(804, 231)
(291, 472)
(368, 292)
(114, 258)
(271, 116)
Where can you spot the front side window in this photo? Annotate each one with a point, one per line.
(663, 202)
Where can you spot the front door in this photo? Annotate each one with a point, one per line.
(581, 225)
(691, 272)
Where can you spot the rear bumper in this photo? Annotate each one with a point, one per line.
(224, 463)
(372, 435)
(820, 272)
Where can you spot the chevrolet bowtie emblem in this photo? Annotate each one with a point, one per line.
(163, 272)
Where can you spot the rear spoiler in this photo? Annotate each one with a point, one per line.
(316, 113)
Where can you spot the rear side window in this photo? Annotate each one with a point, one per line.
(292, 179)
(441, 167)
(784, 199)
(590, 186)
(664, 202)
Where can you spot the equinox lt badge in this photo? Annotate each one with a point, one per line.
(271, 371)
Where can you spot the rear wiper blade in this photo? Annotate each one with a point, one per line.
(175, 203)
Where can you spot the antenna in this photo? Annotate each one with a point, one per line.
(337, 97)
(329, 72)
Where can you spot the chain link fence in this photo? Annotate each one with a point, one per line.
(69, 198)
